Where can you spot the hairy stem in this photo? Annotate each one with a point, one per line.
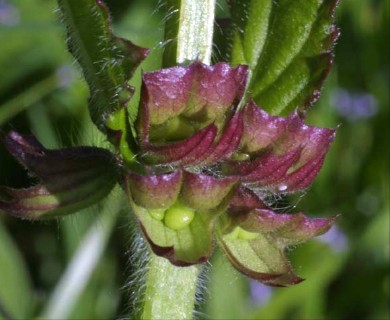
(196, 26)
(170, 290)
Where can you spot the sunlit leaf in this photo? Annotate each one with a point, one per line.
(16, 295)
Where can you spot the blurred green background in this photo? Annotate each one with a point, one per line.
(45, 269)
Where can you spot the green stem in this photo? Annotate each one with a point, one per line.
(170, 290)
(188, 31)
(196, 27)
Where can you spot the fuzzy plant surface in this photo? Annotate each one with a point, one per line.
(209, 143)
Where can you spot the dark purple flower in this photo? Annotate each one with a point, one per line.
(65, 76)
(208, 163)
(205, 162)
(259, 293)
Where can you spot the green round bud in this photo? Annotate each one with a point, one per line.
(157, 214)
(178, 217)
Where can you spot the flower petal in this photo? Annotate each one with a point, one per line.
(215, 88)
(228, 142)
(261, 129)
(289, 228)
(154, 191)
(183, 152)
(165, 93)
(196, 95)
(285, 154)
(203, 192)
(264, 170)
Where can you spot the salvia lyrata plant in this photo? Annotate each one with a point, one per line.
(209, 143)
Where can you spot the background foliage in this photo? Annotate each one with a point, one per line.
(347, 270)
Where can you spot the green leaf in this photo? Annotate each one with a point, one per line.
(16, 296)
(107, 61)
(288, 46)
(75, 279)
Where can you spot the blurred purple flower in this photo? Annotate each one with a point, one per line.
(259, 293)
(336, 239)
(9, 14)
(354, 106)
(65, 76)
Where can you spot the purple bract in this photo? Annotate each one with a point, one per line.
(214, 157)
(206, 161)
